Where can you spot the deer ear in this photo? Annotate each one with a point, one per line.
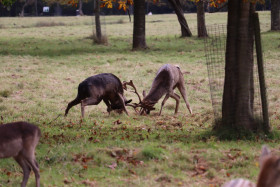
(265, 153)
(144, 93)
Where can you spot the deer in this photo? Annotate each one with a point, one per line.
(269, 175)
(19, 140)
(167, 79)
(94, 89)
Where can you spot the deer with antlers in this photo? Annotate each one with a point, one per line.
(167, 79)
(94, 89)
(269, 175)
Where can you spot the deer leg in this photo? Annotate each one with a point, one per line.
(29, 157)
(71, 104)
(123, 103)
(35, 167)
(163, 102)
(177, 98)
(182, 90)
(25, 167)
(88, 101)
(109, 109)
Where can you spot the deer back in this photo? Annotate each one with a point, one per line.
(102, 84)
(14, 136)
(166, 80)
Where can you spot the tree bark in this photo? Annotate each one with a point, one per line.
(97, 20)
(237, 108)
(201, 27)
(139, 35)
(81, 8)
(22, 10)
(275, 15)
(36, 8)
(177, 6)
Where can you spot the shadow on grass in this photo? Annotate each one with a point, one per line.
(232, 134)
(77, 46)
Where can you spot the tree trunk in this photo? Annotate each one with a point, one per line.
(237, 109)
(97, 20)
(22, 10)
(139, 36)
(177, 6)
(275, 15)
(201, 27)
(81, 8)
(36, 8)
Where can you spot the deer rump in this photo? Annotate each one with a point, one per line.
(19, 140)
(93, 90)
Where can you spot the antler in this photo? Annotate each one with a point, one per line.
(144, 106)
(130, 83)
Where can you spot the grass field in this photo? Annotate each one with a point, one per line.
(42, 61)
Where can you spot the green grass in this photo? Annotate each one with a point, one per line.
(41, 66)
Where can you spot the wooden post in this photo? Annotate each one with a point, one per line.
(266, 126)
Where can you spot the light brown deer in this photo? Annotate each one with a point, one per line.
(19, 140)
(167, 79)
(269, 175)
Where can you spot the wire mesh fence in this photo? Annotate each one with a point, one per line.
(215, 50)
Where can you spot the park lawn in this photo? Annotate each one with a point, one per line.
(41, 67)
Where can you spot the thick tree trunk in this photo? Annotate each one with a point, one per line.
(201, 27)
(139, 36)
(177, 6)
(237, 109)
(275, 15)
(81, 8)
(97, 20)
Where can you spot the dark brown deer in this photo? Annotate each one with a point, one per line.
(93, 90)
(269, 175)
(167, 79)
(19, 140)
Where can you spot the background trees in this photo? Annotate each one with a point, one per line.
(178, 8)
(139, 37)
(275, 15)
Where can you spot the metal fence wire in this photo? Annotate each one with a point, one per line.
(215, 48)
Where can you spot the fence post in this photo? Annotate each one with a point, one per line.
(266, 126)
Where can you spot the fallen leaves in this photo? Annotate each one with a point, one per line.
(113, 165)
(88, 182)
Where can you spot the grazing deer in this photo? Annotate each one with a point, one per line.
(269, 175)
(93, 90)
(167, 79)
(19, 140)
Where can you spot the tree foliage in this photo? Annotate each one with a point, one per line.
(7, 2)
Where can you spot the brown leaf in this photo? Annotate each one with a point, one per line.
(230, 156)
(89, 183)
(66, 181)
(132, 172)
(118, 122)
(201, 168)
(113, 165)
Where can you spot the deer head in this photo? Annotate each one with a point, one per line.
(145, 107)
